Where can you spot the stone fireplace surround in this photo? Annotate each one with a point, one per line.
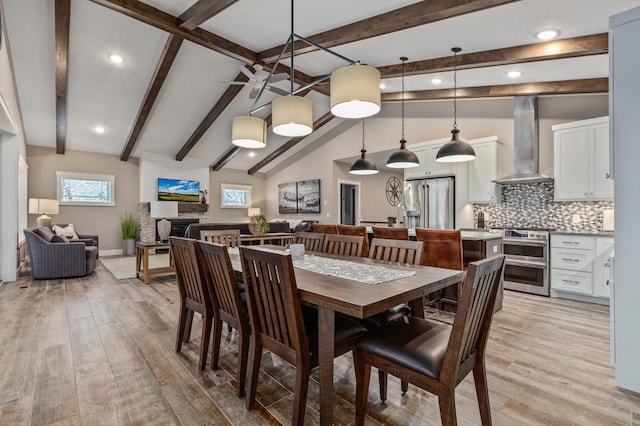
(147, 224)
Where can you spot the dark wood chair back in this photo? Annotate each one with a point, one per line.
(344, 245)
(227, 304)
(396, 251)
(360, 231)
(194, 294)
(390, 233)
(227, 237)
(442, 247)
(324, 228)
(312, 240)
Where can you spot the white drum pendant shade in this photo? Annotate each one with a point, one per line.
(355, 91)
(249, 132)
(292, 116)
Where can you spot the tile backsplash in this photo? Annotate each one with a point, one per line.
(532, 206)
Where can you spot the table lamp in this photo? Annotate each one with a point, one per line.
(43, 206)
(254, 211)
(164, 210)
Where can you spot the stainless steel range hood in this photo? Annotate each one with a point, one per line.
(525, 150)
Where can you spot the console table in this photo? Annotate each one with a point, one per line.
(143, 271)
(278, 238)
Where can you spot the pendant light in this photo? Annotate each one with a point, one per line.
(455, 151)
(292, 115)
(403, 158)
(249, 132)
(363, 166)
(355, 91)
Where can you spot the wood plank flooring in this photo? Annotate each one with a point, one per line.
(99, 351)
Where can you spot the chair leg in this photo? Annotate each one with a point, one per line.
(182, 319)
(404, 386)
(255, 355)
(382, 378)
(204, 341)
(217, 337)
(363, 375)
(243, 349)
(189, 323)
(300, 394)
(229, 329)
(482, 391)
(447, 402)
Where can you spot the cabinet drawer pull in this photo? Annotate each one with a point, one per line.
(606, 264)
(570, 281)
(570, 242)
(607, 175)
(568, 259)
(608, 282)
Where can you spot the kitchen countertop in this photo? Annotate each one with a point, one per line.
(466, 235)
(594, 233)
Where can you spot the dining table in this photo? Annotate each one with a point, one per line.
(331, 294)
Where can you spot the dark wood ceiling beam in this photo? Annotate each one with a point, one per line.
(290, 143)
(171, 24)
(169, 53)
(595, 44)
(63, 20)
(202, 11)
(226, 98)
(593, 85)
(420, 13)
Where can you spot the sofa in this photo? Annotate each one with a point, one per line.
(54, 256)
(193, 230)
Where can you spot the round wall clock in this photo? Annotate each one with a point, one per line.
(394, 191)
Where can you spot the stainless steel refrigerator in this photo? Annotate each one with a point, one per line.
(429, 203)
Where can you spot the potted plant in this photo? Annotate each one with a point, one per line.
(128, 226)
(258, 224)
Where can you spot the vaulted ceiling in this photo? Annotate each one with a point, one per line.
(167, 96)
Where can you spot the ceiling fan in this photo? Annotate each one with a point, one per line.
(257, 80)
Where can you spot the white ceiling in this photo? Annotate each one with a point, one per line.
(102, 93)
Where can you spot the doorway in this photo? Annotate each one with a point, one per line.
(349, 203)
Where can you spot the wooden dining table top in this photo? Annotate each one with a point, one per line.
(362, 300)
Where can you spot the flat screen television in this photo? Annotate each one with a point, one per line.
(178, 190)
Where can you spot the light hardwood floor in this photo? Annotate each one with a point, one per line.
(99, 351)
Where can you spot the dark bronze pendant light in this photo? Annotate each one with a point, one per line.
(455, 150)
(403, 158)
(363, 166)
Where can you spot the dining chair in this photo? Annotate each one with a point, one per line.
(344, 245)
(433, 355)
(390, 233)
(442, 249)
(227, 303)
(396, 251)
(312, 240)
(194, 294)
(227, 237)
(280, 325)
(324, 228)
(360, 231)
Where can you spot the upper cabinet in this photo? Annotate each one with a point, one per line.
(429, 167)
(484, 170)
(581, 160)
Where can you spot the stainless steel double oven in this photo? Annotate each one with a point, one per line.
(526, 261)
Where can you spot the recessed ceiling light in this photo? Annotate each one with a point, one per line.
(547, 34)
(115, 58)
(252, 154)
(436, 80)
(98, 129)
(383, 85)
(514, 74)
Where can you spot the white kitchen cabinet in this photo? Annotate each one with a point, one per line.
(429, 167)
(420, 170)
(579, 266)
(484, 170)
(581, 160)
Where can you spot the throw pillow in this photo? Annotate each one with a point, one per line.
(59, 239)
(67, 231)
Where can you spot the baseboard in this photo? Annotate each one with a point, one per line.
(116, 252)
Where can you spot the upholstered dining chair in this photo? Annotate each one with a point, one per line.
(280, 325)
(442, 249)
(344, 245)
(433, 355)
(312, 240)
(227, 303)
(227, 237)
(390, 233)
(194, 294)
(325, 228)
(360, 231)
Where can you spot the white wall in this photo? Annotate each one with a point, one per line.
(154, 166)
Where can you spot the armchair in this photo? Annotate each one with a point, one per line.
(87, 239)
(53, 256)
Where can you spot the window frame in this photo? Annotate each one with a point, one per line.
(96, 177)
(236, 186)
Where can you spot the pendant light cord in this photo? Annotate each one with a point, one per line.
(455, 86)
(403, 59)
(363, 134)
(292, 41)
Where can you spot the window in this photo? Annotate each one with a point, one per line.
(85, 189)
(235, 196)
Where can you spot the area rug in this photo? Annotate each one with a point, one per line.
(125, 267)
